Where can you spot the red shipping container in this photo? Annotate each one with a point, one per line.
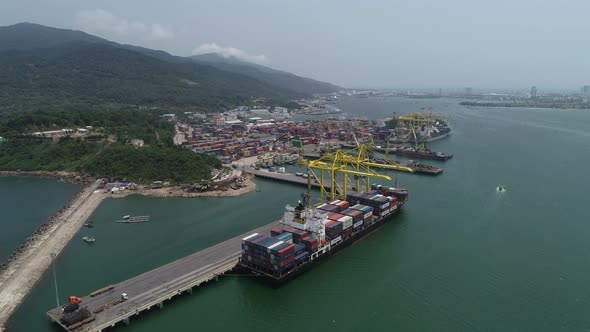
(342, 205)
(276, 231)
(393, 201)
(332, 224)
(287, 261)
(287, 250)
(347, 233)
(335, 216)
(263, 237)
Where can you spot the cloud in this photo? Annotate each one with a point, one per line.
(159, 31)
(100, 21)
(228, 52)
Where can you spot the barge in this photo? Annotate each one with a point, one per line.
(409, 152)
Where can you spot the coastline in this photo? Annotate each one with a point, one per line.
(25, 266)
(70, 177)
(23, 271)
(178, 191)
(170, 191)
(527, 106)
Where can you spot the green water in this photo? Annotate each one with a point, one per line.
(25, 204)
(460, 257)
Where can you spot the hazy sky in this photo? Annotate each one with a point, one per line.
(410, 43)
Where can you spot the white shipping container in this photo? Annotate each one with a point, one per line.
(346, 222)
(249, 236)
(336, 240)
(275, 245)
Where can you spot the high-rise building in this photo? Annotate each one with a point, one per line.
(468, 91)
(534, 92)
(586, 89)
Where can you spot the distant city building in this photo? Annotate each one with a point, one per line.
(586, 89)
(468, 91)
(534, 92)
(280, 113)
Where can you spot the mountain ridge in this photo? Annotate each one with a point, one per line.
(31, 36)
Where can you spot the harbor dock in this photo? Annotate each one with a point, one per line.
(284, 177)
(151, 289)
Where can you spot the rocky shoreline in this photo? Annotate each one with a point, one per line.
(40, 231)
(69, 177)
(173, 191)
(32, 258)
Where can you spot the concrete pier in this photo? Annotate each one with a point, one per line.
(153, 288)
(284, 177)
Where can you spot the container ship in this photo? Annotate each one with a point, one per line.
(307, 235)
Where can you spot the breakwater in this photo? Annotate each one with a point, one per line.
(34, 256)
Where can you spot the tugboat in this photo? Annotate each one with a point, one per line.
(89, 239)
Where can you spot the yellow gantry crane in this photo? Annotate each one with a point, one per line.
(339, 166)
(413, 121)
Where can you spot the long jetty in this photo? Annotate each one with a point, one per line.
(23, 273)
(152, 289)
(284, 177)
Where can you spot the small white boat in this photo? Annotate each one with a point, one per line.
(89, 239)
(500, 188)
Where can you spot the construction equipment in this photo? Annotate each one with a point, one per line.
(75, 299)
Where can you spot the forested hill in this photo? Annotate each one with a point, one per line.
(100, 72)
(40, 64)
(268, 75)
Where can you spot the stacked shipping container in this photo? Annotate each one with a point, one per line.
(268, 252)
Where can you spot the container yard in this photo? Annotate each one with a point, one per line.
(237, 134)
